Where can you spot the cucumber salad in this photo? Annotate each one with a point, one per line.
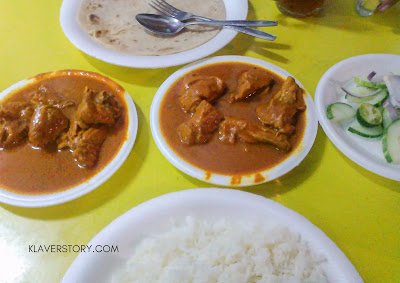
(371, 110)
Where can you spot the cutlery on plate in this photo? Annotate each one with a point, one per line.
(166, 25)
(167, 9)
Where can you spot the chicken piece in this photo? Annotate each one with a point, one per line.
(12, 133)
(44, 96)
(86, 146)
(16, 110)
(97, 108)
(251, 82)
(14, 123)
(85, 136)
(46, 125)
(198, 88)
(232, 128)
(281, 110)
(199, 128)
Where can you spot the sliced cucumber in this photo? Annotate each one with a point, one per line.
(391, 142)
(354, 88)
(375, 100)
(358, 129)
(368, 115)
(339, 111)
(368, 84)
(386, 118)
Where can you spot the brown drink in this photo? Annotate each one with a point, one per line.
(300, 8)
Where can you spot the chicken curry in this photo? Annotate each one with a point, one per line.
(233, 118)
(59, 131)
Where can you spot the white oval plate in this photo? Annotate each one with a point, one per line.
(234, 10)
(89, 185)
(207, 204)
(225, 180)
(365, 152)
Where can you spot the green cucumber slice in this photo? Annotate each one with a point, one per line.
(339, 111)
(386, 118)
(368, 115)
(391, 142)
(358, 129)
(368, 84)
(376, 100)
(358, 90)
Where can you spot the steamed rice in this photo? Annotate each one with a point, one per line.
(224, 251)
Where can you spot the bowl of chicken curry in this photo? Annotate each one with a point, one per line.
(233, 121)
(62, 134)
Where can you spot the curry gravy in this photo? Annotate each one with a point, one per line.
(215, 156)
(26, 170)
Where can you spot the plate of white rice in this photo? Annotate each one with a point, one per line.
(212, 235)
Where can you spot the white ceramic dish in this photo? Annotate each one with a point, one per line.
(225, 180)
(235, 10)
(89, 185)
(365, 152)
(208, 204)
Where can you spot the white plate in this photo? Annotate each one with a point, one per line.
(89, 185)
(234, 10)
(365, 152)
(207, 204)
(225, 180)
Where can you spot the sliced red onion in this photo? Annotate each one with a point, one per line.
(391, 109)
(360, 96)
(386, 103)
(371, 75)
(373, 78)
(393, 85)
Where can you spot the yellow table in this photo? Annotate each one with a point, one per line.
(358, 210)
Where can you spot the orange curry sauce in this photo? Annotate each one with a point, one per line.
(214, 156)
(26, 170)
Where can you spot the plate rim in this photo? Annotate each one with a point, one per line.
(384, 170)
(172, 201)
(220, 179)
(45, 200)
(84, 43)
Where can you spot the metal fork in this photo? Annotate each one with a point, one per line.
(167, 9)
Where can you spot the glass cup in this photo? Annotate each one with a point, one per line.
(300, 8)
(366, 8)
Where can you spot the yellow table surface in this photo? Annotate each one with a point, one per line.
(357, 209)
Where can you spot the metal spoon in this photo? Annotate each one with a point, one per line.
(165, 25)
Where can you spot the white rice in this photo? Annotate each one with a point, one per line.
(200, 251)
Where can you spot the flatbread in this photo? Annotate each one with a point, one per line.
(112, 23)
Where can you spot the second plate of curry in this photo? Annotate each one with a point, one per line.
(233, 120)
(62, 134)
